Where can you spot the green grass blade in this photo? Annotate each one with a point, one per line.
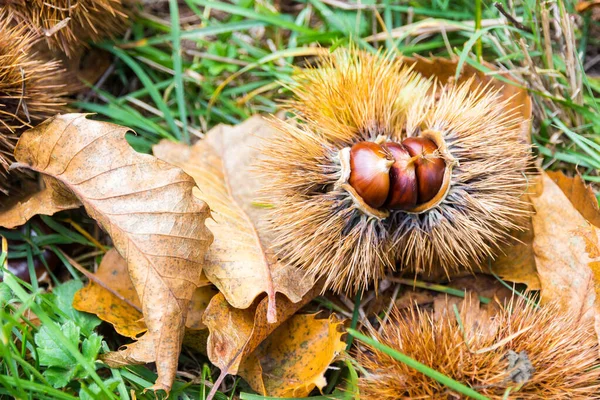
(196, 34)
(478, 46)
(274, 20)
(437, 288)
(340, 25)
(250, 396)
(591, 148)
(125, 117)
(148, 84)
(38, 388)
(471, 42)
(178, 67)
(301, 51)
(354, 322)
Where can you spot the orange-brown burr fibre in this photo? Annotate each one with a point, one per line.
(557, 354)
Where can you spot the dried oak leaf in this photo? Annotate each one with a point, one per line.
(235, 333)
(239, 262)
(567, 251)
(292, 361)
(148, 209)
(111, 296)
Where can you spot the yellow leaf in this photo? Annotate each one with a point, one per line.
(112, 297)
(239, 262)
(147, 208)
(293, 360)
(235, 333)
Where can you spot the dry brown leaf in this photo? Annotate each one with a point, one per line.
(148, 209)
(123, 309)
(517, 262)
(583, 6)
(235, 333)
(111, 296)
(50, 200)
(239, 262)
(579, 194)
(292, 361)
(567, 252)
(198, 305)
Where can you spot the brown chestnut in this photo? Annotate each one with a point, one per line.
(429, 168)
(403, 180)
(370, 172)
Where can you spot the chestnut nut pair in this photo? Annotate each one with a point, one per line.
(396, 176)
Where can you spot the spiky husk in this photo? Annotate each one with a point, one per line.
(563, 352)
(66, 24)
(28, 90)
(353, 96)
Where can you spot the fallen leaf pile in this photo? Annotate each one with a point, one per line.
(144, 204)
(159, 279)
(239, 262)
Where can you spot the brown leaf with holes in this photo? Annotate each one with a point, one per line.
(147, 208)
(239, 262)
(235, 333)
(293, 360)
(567, 251)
